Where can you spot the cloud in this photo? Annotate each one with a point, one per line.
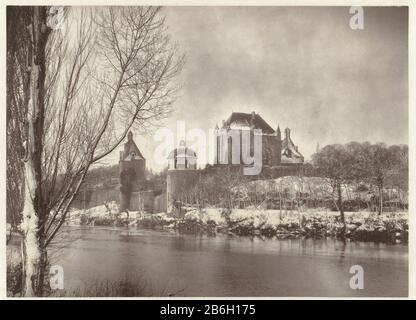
(301, 67)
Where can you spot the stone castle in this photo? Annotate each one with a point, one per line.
(280, 157)
(275, 150)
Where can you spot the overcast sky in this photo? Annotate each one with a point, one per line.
(301, 67)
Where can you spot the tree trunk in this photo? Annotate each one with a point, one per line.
(341, 211)
(380, 195)
(41, 270)
(30, 241)
(34, 214)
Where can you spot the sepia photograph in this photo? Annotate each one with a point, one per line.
(206, 151)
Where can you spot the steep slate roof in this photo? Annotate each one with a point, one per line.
(248, 119)
(129, 147)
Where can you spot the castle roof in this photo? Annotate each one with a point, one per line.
(252, 120)
(131, 151)
(182, 151)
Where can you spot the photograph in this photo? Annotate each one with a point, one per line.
(207, 151)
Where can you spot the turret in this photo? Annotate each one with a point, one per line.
(279, 146)
(287, 133)
(253, 118)
(132, 167)
(182, 157)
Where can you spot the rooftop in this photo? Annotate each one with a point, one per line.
(252, 120)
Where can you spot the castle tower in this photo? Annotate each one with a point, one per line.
(132, 167)
(217, 144)
(278, 146)
(182, 174)
(287, 133)
(231, 133)
(290, 152)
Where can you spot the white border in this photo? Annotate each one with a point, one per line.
(412, 121)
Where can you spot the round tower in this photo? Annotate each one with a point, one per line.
(181, 176)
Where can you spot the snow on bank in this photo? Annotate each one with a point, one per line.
(275, 218)
(366, 226)
(253, 221)
(221, 216)
(108, 211)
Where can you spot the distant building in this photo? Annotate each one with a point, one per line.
(280, 157)
(182, 158)
(132, 166)
(182, 174)
(275, 151)
(290, 151)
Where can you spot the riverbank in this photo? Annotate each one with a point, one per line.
(360, 226)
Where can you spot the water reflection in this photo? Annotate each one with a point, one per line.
(198, 265)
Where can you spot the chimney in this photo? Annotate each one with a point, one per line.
(253, 117)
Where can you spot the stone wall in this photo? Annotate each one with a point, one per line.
(89, 198)
(149, 201)
(138, 165)
(160, 202)
(271, 148)
(178, 182)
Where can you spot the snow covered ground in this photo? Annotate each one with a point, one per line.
(251, 221)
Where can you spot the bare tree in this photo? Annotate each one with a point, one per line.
(377, 164)
(86, 93)
(336, 163)
(17, 83)
(380, 161)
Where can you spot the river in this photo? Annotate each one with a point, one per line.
(204, 266)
